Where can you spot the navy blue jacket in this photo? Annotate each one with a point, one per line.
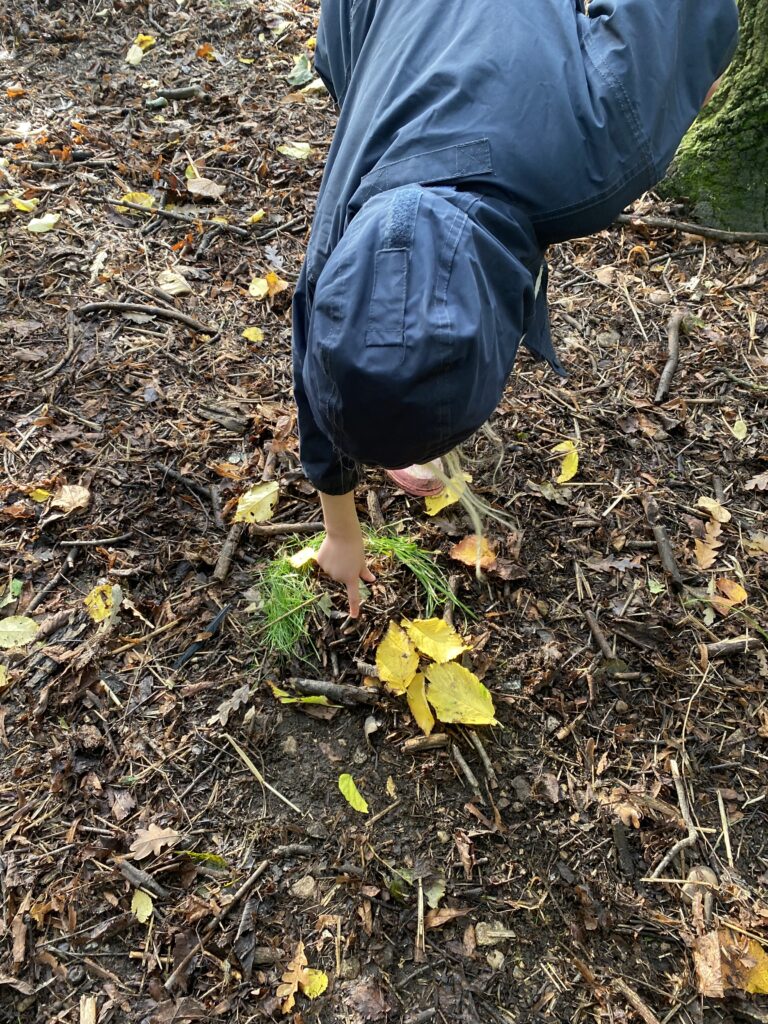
(471, 135)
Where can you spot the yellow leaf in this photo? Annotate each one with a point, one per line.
(142, 906)
(25, 205)
(4, 677)
(302, 558)
(135, 55)
(99, 602)
(17, 631)
(247, 60)
(570, 464)
(457, 695)
(257, 504)
(714, 509)
(40, 494)
(296, 150)
(352, 794)
(144, 41)
(259, 288)
(449, 495)
(435, 638)
(417, 702)
(314, 983)
(275, 284)
(734, 592)
(311, 43)
(396, 659)
(739, 429)
(254, 334)
(474, 551)
(40, 225)
(255, 217)
(139, 199)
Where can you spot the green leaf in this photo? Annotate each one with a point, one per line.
(302, 71)
(352, 794)
(15, 588)
(17, 631)
(655, 586)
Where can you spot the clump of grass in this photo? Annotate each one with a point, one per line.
(287, 594)
(421, 564)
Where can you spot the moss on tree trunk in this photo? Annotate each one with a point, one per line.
(721, 168)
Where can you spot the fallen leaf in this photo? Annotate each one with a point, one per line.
(145, 41)
(173, 283)
(14, 91)
(449, 495)
(314, 983)
(138, 198)
(301, 73)
(474, 551)
(714, 509)
(489, 933)
(303, 557)
(295, 150)
(435, 638)
(255, 217)
(293, 974)
(40, 494)
(71, 498)
(275, 284)
(99, 602)
(206, 188)
(257, 504)
(759, 483)
(254, 334)
(142, 906)
(570, 464)
(134, 56)
(390, 787)
(757, 544)
(152, 840)
(24, 205)
(396, 659)
(259, 288)
(739, 429)
(457, 695)
(352, 794)
(437, 918)
(744, 963)
(733, 591)
(707, 550)
(39, 225)
(417, 702)
(17, 631)
(13, 592)
(206, 51)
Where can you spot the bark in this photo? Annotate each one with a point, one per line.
(721, 168)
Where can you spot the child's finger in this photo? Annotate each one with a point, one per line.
(367, 575)
(353, 593)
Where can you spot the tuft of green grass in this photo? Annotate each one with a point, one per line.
(421, 564)
(287, 594)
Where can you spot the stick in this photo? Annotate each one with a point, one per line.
(40, 596)
(227, 553)
(179, 478)
(726, 830)
(183, 92)
(662, 542)
(421, 743)
(694, 229)
(599, 635)
(158, 211)
(275, 529)
(477, 743)
(341, 692)
(147, 636)
(141, 879)
(673, 349)
(738, 645)
(160, 311)
(466, 770)
(692, 836)
(96, 542)
(636, 1002)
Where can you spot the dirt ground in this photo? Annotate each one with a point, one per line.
(131, 766)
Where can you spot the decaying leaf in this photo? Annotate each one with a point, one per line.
(714, 509)
(173, 282)
(474, 550)
(99, 602)
(314, 983)
(257, 504)
(417, 702)
(39, 494)
(757, 544)
(449, 495)
(256, 217)
(259, 288)
(17, 631)
(70, 498)
(151, 840)
(254, 334)
(733, 594)
(294, 973)
(739, 429)
(301, 73)
(205, 187)
(437, 918)
(295, 150)
(435, 638)
(138, 198)
(759, 483)
(288, 698)
(142, 906)
(489, 933)
(457, 695)
(396, 659)
(570, 464)
(707, 550)
(40, 225)
(726, 959)
(352, 794)
(275, 284)
(303, 557)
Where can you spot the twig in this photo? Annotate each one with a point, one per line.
(599, 635)
(382, 814)
(466, 770)
(341, 692)
(218, 515)
(662, 542)
(161, 311)
(694, 229)
(280, 227)
(53, 370)
(738, 645)
(159, 211)
(179, 478)
(453, 586)
(276, 529)
(673, 359)
(227, 553)
(257, 774)
(143, 639)
(374, 509)
(211, 629)
(96, 542)
(421, 743)
(40, 596)
(141, 879)
(183, 92)
(726, 830)
(477, 743)
(635, 1001)
(692, 836)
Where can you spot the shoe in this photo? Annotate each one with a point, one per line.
(418, 481)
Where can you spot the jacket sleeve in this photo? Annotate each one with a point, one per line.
(663, 56)
(325, 467)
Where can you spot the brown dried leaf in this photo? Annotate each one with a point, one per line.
(294, 974)
(707, 550)
(437, 918)
(152, 840)
(474, 550)
(71, 497)
(205, 187)
(757, 482)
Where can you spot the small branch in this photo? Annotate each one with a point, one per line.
(40, 596)
(467, 772)
(419, 744)
(275, 529)
(599, 635)
(738, 645)
(673, 349)
(141, 879)
(692, 836)
(211, 630)
(96, 542)
(477, 743)
(341, 692)
(159, 311)
(158, 211)
(662, 542)
(183, 92)
(179, 478)
(634, 1000)
(693, 229)
(227, 553)
(374, 509)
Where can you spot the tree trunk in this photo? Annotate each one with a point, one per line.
(721, 168)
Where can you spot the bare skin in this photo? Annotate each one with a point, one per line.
(342, 554)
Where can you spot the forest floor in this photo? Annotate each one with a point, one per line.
(170, 831)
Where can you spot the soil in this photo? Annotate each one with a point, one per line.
(131, 769)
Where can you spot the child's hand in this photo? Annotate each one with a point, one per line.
(343, 559)
(341, 554)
